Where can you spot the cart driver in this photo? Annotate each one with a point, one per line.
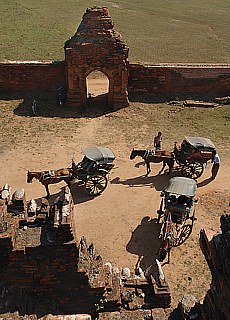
(157, 141)
(186, 150)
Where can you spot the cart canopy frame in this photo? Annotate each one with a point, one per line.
(99, 154)
(200, 143)
(181, 186)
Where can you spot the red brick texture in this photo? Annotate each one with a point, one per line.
(32, 75)
(216, 249)
(213, 80)
(168, 80)
(97, 46)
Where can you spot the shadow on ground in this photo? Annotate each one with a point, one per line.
(159, 98)
(77, 191)
(204, 182)
(48, 105)
(145, 242)
(159, 181)
(79, 194)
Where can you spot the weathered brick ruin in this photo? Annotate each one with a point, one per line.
(97, 46)
(216, 248)
(46, 270)
(180, 80)
(215, 245)
(16, 76)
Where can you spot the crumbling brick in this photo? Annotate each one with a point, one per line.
(97, 46)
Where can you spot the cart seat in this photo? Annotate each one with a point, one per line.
(88, 165)
(178, 207)
(183, 200)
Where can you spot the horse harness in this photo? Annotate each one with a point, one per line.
(47, 175)
(149, 153)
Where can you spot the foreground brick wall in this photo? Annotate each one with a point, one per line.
(169, 80)
(32, 75)
(45, 269)
(216, 249)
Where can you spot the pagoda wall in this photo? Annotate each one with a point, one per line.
(165, 80)
(179, 80)
(32, 75)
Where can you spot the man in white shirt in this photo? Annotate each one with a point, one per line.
(216, 164)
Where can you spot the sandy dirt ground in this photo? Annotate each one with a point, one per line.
(121, 222)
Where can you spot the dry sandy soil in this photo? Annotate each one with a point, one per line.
(120, 222)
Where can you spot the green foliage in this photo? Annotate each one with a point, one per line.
(156, 31)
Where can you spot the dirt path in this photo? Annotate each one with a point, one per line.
(121, 222)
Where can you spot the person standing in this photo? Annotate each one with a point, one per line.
(216, 164)
(158, 141)
(35, 108)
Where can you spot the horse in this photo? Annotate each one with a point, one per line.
(155, 157)
(50, 177)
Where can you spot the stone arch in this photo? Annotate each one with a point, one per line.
(97, 46)
(97, 87)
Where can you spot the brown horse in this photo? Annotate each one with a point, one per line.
(50, 177)
(155, 157)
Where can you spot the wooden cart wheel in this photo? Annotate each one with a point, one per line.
(184, 234)
(193, 170)
(96, 184)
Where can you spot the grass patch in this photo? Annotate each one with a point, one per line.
(140, 122)
(156, 32)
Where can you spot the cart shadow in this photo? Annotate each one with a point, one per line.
(159, 181)
(53, 198)
(79, 195)
(145, 242)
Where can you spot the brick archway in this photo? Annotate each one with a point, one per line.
(97, 46)
(97, 86)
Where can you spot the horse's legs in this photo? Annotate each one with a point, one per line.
(170, 165)
(47, 191)
(170, 169)
(148, 169)
(164, 164)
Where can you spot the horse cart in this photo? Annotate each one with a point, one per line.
(177, 212)
(193, 154)
(92, 172)
(94, 168)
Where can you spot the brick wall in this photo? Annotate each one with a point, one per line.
(162, 79)
(216, 249)
(211, 80)
(32, 75)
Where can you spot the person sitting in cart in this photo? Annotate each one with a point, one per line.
(186, 150)
(183, 200)
(216, 164)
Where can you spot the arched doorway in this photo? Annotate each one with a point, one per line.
(97, 88)
(96, 46)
